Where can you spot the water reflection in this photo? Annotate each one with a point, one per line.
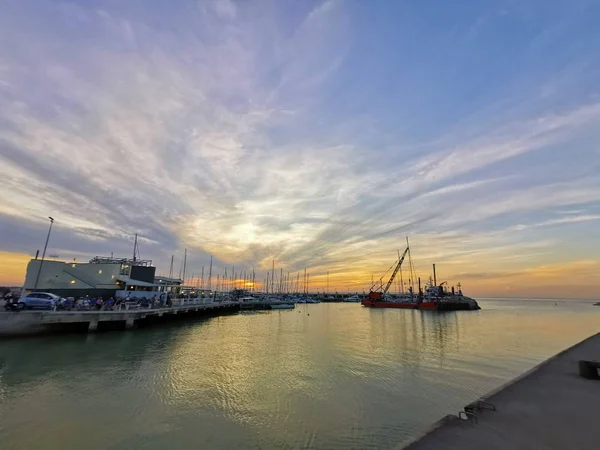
(322, 376)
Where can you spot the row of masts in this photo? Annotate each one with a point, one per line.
(230, 279)
(273, 283)
(286, 283)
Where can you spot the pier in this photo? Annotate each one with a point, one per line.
(36, 322)
(550, 407)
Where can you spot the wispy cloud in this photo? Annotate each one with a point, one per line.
(270, 131)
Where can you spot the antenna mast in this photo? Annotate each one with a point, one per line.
(134, 247)
(184, 264)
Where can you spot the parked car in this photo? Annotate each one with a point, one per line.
(38, 300)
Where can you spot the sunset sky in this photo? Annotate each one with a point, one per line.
(318, 134)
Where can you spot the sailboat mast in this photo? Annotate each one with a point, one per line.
(171, 269)
(267, 284)
(210, 274)
(184, 263)
(304, 281)
(273, 277)
(281, 281)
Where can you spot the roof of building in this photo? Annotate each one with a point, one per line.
(162, 279)
(128, 261)
(132, 282)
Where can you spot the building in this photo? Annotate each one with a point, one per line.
(100, 277)
(167, 284)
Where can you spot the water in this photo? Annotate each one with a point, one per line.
(325, 376)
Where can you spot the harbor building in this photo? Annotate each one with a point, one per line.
(101, 276)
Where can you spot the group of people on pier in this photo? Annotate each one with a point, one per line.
(86, 303)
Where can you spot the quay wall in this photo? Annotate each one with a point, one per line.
(549, 406)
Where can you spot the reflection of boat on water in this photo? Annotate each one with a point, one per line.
(352, 299)
(436, 297)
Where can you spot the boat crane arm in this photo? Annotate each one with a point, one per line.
(396, 269)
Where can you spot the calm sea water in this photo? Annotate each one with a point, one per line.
(326, 376)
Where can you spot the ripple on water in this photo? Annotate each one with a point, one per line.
(343, 377)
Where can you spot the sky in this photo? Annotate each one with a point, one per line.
(316, 134)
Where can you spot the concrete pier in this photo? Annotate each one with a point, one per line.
(19, 323)
(549, 407)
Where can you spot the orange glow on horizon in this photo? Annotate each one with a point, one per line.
(12, 268)
(570, 279)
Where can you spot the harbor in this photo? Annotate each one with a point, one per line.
(299, 225)
(131, 316)
(26, 322)
(322, 376)
(555, 405)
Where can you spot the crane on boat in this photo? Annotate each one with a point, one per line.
(378, 295)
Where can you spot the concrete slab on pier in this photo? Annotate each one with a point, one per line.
(15, 323)
(549, 407)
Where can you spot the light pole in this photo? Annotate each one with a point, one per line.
(37, 278)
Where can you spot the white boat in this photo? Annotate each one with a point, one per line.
(352, 299)
(282, 306)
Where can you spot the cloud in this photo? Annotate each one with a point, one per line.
(232, 129)
(225, 8)
(560, 221)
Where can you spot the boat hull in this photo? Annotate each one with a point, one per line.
(283, 306)
(426, 305)
(382, 304)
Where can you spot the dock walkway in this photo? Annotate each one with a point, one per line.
(13, 323)
(549, 407)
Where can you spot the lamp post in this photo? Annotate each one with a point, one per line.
(37, 278)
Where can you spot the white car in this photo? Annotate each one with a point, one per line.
(38, 300)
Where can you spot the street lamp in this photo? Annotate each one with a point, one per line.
(37, 278)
